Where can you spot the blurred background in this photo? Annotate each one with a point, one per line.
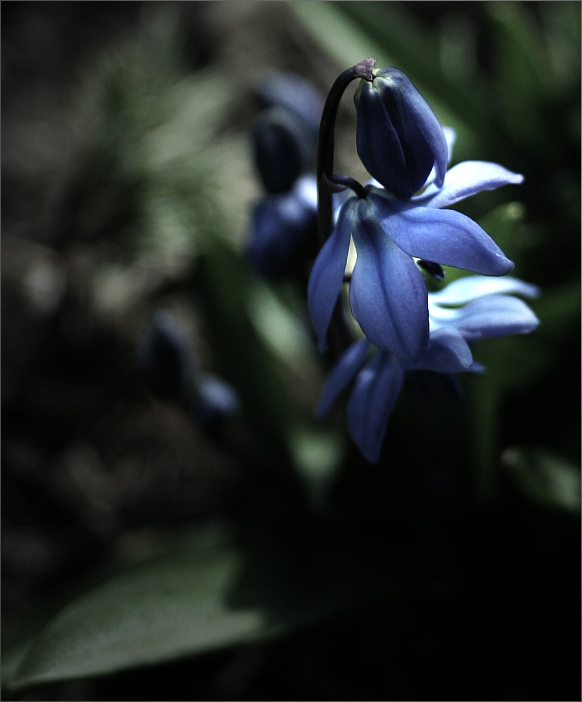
(449, 571)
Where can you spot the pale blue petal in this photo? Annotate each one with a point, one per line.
(327, 274)
(473, 287)
(387, 292)
(447, 352)
(371, 402)
(493, 317)
(443, 236)
(341, 375)
(469, 178)
(451, 137)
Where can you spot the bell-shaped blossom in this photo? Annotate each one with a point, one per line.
(398, 137)
(282, 235)
(282, 148)
(387, 292)
(467, 310)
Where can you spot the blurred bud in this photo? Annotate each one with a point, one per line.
(283, 231)
(166, 360)
(169, 368)
(293, 93)
(282, 148)
(216, 402)
(398, 137)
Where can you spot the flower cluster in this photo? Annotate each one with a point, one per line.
(397, 225)
(467, 310)
(283, 228)
(398, 228)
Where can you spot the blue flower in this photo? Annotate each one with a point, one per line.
(465, 311)
(283, 230)
(398, 137)
(387, 293)
(282, 148)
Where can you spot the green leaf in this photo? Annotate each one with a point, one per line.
(544, 477)
(220, 585)
(224, 284)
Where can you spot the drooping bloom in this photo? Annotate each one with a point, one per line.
(283, 230)
(387, 293)
(282, 148)
(465, 311)
(282, 237)
(398, 137)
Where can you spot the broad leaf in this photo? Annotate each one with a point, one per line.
(246, 583)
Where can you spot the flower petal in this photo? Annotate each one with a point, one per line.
(492, 317)
(387, 293)
(447, 352)
(443, 236)
(327, 274)
(341, 375)
(451, 137)
(426, 122)
(371, 402)
(429, 187)
(469, 178)
(473, 287)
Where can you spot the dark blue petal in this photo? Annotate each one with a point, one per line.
(493, 317)
(447, 352)
(398, 137)
(327, 274)
(443, 236)
(387, 293)
(341, 375)
(469, 178)
(371, 402)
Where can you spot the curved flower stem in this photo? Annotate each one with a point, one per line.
(325, 143)
(338, 183)
(328, 183)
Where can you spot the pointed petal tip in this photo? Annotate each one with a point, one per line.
(505, 265)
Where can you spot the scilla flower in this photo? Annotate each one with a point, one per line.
(388, 295)
(282, 148)
(465, 311)
(398, 137)
(283, 231)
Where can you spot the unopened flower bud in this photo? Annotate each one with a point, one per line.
(166, 360)
(282, 147)
(398, 137)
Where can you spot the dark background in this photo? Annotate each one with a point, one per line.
(89, 459)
